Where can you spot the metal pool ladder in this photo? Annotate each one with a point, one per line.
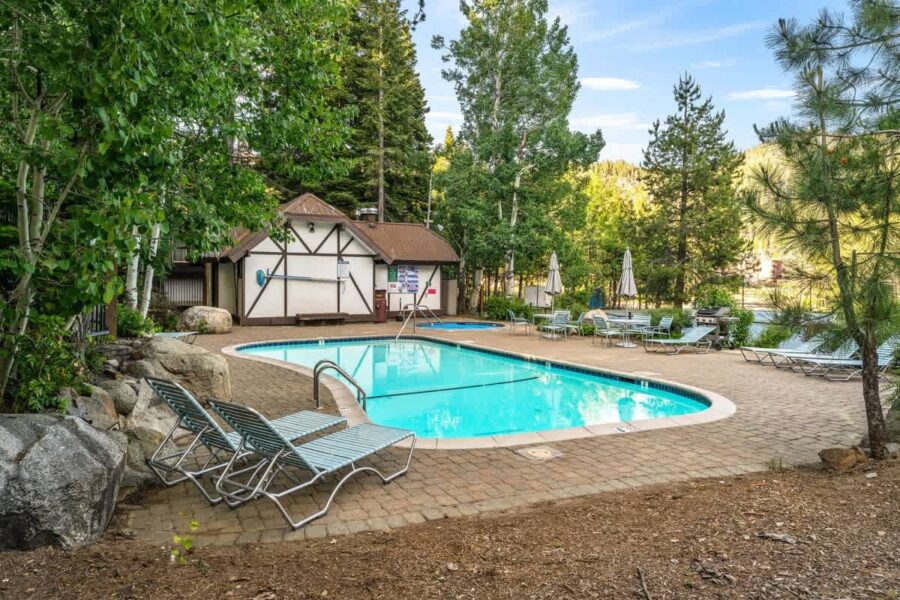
(414, 309)
(324, 365)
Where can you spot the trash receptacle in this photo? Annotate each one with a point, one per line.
(380, 306)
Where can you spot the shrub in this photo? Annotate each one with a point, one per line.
(47, 361)
(495, 307)
(740, 329)
(680, 318)
(715, 296)
(772, 336)
(131, 323)
(574, 298)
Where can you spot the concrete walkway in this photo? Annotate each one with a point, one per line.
(781, 416)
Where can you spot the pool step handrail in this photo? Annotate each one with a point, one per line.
(414, 309)
(325, 364)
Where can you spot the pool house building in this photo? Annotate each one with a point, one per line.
(331, 268)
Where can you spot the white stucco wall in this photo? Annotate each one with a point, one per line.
(397, 300)
(311, 297)
(227, 298)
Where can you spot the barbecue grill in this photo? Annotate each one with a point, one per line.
(720, 317)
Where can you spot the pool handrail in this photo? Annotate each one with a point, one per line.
(326, 364)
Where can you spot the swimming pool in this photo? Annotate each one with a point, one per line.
(448, 391)
(458, 325)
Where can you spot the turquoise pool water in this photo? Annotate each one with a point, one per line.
(444, 391)
(457, 325)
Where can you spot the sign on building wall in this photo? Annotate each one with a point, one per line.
(343, 269)
(403, 279)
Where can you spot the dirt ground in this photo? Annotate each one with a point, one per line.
(792, 534)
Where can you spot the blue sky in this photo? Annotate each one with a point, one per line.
(631, 54)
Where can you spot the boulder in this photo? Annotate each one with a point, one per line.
(202, 372)
(122, 393)
(98, 409)
(146, 426)
(59, 478)
(842, 459)
(205, 319)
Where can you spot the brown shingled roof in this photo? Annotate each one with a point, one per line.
(393, 242)
(407, 242)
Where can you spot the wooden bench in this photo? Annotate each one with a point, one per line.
(304, 318)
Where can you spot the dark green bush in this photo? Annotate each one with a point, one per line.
(47, 361)
(772, 336)
(495, 307)
(680, 318)
(740, 329)
(131, 323)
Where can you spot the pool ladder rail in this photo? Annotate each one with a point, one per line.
(324, 365)
(414, 309)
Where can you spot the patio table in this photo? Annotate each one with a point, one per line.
(626, 323)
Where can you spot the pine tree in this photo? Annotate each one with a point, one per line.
(836, 200)
(690, 169)
(388, 150)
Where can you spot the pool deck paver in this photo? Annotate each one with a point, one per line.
(780, 415)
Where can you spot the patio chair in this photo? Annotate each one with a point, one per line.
(188, 337)
(837, 369)
(603, 330)
(515, 322)
(639, 324)
(578, 325)
(558, 327)
(178, 463)
(663, 327)
(787, 359)
(794, 344)
(690, 338)
(323, 456)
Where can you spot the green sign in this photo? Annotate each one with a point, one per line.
(392, 273)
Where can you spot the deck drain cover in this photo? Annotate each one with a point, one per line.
(539, 453)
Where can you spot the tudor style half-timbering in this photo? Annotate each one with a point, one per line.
(329, 267)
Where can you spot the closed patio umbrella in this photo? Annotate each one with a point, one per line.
(554, 282)
(627, 287)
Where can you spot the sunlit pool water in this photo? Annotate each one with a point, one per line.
(442, 390)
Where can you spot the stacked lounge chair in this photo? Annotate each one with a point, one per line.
(794, 344)
(843, 369)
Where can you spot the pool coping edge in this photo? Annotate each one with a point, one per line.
(719, 408)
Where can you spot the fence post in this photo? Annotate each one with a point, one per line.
(109, 315)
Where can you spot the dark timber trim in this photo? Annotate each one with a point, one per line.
(264, 287)
(325, 239)
(299, 239)
(359, 291)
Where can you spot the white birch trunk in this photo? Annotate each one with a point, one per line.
(131, 273)
(148, 271)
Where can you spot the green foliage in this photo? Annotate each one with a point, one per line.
(680, 318)
(49, 361)
(495, 307)
(771, 336)
(388, 122)
(182, 546)
(506, 201)
(739, 330)
(715, 296)
(690, 170)
(131, 323)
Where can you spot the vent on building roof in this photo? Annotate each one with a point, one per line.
(369, 214)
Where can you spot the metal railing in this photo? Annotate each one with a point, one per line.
(326, 364)
(414, 309)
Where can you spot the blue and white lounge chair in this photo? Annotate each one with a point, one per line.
(787, 359)
(663, 327)
(692, 337)
(838, 369)
(794, 344)
(323, 456)
(210, 448)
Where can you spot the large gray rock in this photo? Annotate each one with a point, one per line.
(98, 409)
(59, 478)
(205, 319)
(146, 426)
(122, 393)
(202, 372)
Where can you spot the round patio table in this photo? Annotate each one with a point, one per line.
(625, 343)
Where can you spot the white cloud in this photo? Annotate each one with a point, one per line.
(712, 64)
(691, 38)
(625, 120)
(609, 84)
(762, 94)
